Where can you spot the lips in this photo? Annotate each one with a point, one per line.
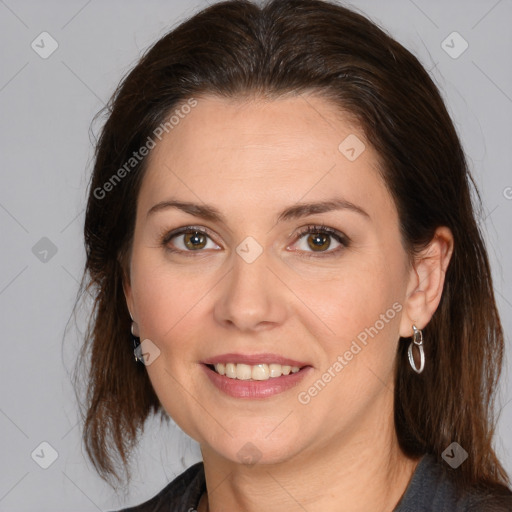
(253, 359)
(262, 386)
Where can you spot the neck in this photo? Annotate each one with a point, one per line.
(361, 471)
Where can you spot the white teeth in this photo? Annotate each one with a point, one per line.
(231, 370)
(255, 372)
(275, 370)
(243, 372)
(260, 372)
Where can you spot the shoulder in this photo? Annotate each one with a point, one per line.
(180, 495)
(432, 490)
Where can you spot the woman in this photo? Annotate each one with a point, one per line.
(280, 212)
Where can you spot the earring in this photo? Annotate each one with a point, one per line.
(136, 342)
(417, 339)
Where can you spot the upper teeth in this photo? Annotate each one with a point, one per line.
(254, 372)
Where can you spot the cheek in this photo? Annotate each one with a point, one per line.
(362, 309)
(361, 294)
(167, 300)
(170, 313)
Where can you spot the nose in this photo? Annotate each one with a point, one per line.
(251, 296)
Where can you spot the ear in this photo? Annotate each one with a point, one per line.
(426, 281)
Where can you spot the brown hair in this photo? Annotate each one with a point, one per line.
(235, 49)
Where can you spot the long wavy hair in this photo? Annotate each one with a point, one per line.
(237, 48)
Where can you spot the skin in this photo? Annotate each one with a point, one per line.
(252, 159)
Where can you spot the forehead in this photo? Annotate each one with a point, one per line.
(265, 150)
(290, 126)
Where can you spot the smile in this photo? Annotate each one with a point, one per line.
(261, 371)
(284, 377)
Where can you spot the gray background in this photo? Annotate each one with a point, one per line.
(47, 106)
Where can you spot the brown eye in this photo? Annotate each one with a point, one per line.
(188, 240)
(194, 240)
(320, 241)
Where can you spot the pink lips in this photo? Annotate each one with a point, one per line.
(253, 359)
(253, 389)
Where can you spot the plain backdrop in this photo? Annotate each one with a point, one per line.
(47, 104)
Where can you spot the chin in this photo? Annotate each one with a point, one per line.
(248, 451)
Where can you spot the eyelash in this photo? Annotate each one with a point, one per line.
(322, 229)
(166, 237)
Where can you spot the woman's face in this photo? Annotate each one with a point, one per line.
(251, 285)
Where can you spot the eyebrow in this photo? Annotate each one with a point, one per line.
(299, 210)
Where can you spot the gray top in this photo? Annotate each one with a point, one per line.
(430, 490)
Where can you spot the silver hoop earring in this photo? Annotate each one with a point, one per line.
(136, 343)
(417, 339)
